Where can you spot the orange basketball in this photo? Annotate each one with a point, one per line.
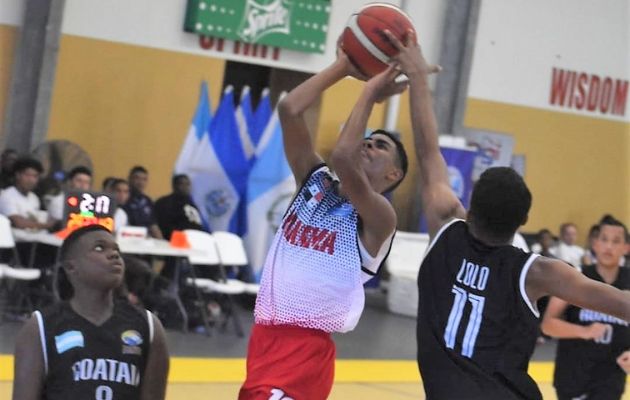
(364, 41)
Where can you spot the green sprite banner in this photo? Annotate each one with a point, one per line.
(293, 24)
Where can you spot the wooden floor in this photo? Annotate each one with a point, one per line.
(341, 391)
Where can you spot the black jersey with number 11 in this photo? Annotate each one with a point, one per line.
(476, 326)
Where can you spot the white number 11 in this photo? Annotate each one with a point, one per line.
(455, 317)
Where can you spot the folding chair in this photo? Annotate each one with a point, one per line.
(210, 256)
(19, 294)
(232, 253)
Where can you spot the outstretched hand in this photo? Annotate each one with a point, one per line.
(409, 57)
(384, 85)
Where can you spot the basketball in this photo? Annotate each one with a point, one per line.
(364, 41)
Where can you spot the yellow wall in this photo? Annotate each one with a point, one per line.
(337, 103)
(336, 106)
(8, 35)
(128, 105)
(577, 167)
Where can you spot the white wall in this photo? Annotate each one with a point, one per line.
(519, 43)
(159, 24)
(11, 12)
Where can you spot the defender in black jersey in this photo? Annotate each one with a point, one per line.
(477, 319)
(91, 347)
(594, 348)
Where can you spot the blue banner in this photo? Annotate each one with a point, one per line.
(460, 164)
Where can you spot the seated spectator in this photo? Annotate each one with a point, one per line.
(107, 185)
(79, 179)
(139, 207)
(139, 275)
(544, 243)
(7, 159)
(19, 203)
(120, 190)
(520, 242)
(566, 250)
(177, 211)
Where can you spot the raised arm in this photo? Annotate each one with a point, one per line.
(377, 214)
(298, 144)
(439, 203)
(556, 278)
(28, 381)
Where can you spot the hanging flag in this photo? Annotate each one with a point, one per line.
(221, 171)
(198, 127)
(270, 188)
(261, 117)
(245, 121)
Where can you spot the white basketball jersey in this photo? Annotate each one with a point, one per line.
(313, 275)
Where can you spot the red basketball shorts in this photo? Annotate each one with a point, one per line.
(288, 363)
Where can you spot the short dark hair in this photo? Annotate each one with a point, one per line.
(66, 291)
(109, 181)
(71, 240)
(403, 161)
(8, 151)
(118, 181)
(566, 225)
(612, 221)
(176, 178)
(500, 202)
(25, 163)
(138, 168)
(594, 230)
(79, 170)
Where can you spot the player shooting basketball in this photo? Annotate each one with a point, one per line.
(477, 316)
(333, 238)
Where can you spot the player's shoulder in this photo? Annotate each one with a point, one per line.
(127, 310)
(54, 311)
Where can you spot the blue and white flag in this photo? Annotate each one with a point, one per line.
(262, 115)
(271, 186)
(245, 121)
(198, 127)
(221, 171)
(69, 340)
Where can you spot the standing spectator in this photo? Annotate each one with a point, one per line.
(139, 207)
(593, 354)
(19, 203)
(7, 159)
(79, 179)
(177, 211)
(567, 250)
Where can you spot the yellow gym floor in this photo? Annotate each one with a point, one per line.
(219, 379)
